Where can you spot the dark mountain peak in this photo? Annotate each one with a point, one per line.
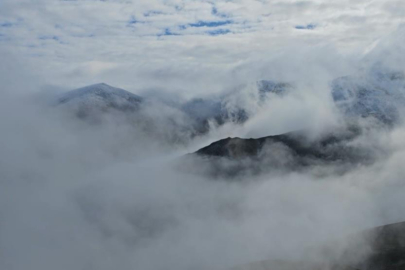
(233, 147)
(380, 248)
(290, 149)
(239, 147)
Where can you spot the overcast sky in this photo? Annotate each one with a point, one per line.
(146, 44)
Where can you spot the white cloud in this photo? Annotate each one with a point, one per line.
(62, 36)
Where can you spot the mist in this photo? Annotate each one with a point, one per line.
(125, 193)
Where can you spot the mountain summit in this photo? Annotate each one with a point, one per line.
(101, 96)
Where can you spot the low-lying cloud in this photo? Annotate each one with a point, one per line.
(117, 195)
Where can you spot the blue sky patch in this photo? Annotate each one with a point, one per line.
(218, 32)
(168, 32)
(56, 38)
(215, 12)
(306, 27)
(133, 21)
(152, 13)
(210, 23)
(6, 24)
(83, 35)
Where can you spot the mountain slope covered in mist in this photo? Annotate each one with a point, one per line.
(202, 113)
(378, 94)
(340, 149)
(239, 148)
(328, 148)
(387, 247)
(101, 96)
(380, 248)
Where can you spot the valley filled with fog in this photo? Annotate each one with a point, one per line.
(286, 156)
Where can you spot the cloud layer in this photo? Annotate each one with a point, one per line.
(112, 196)
(179, 44)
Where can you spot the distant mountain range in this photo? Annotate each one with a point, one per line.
(378, 96)
(93, 100)
(375, 95)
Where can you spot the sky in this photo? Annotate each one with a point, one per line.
(182, 46)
